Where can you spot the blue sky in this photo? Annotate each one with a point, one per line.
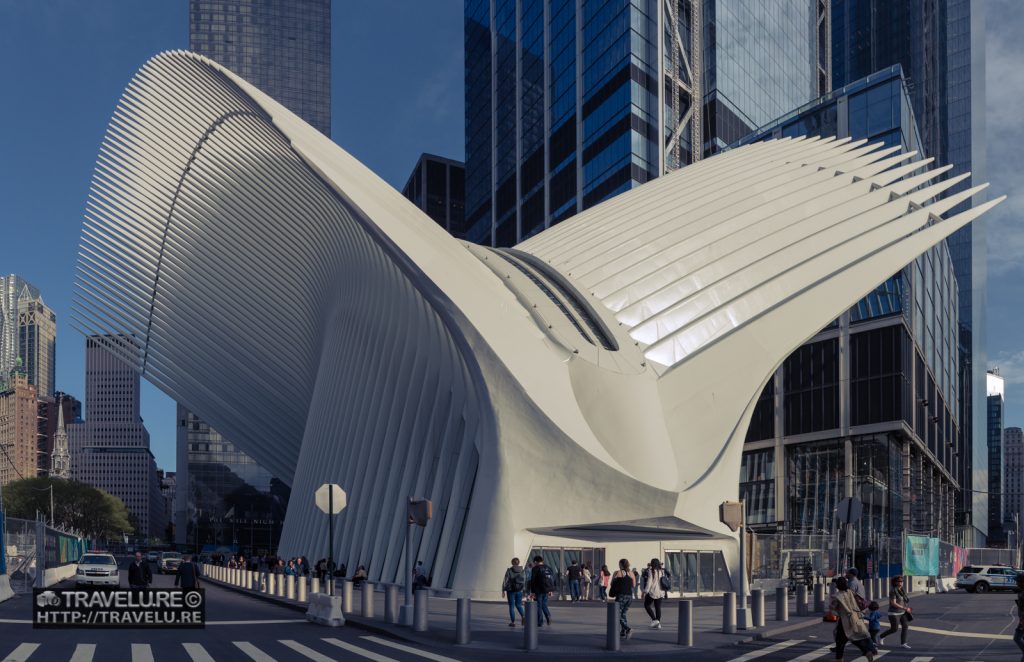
(397, 91)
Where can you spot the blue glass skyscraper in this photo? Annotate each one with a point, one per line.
(569, 103)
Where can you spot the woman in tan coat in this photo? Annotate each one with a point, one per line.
(851, 626)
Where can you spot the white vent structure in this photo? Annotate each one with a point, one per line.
(593, 383)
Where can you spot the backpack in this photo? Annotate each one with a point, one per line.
(516, 581)
(547, 579)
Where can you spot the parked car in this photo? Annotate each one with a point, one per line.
(985, 578)
(152, 556)
(168, 563)
(97, 569)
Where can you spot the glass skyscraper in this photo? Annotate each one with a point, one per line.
(283, 47)
(569, 103)
(438, 186)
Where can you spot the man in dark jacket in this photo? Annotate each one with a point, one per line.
(542, 586)
(139, 574)
(188, 574)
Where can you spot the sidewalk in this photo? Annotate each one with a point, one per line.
(577, 628)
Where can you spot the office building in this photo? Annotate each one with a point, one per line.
(1013, 484)
(281, 46)
(53, 411)
(37, 343)
(17, 429)
(871, 406)
(940, 46)
(13, 289)
(996, 473)
(231, 502)
(110, 448)
(169, 489)
(438, 186)
(622, 385)
(569, 104)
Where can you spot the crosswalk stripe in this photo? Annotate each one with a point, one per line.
(922, 659)
(304, 650)
(753, 655)
(83, 653)
(253, 652)
(197, 652)
(21, 653)
(410, 649)
(352, 648)
(142, 653)
(808, 657)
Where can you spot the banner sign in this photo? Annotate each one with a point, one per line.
(921, 556)
(119, 608)
(959, 559)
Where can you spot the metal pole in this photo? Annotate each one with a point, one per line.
(420, 611)
(346, 597)
(685, 636)
(367, 600)
(819, 598)
(462, 618)
(729, 613)
(391, 603)
(530, 626)
(611, 641)
(53, 521)
(757, 607)
(406, 612)
(781, 604)
(801, 600)
(330, 538)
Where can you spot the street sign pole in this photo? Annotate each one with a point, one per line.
(330, 542)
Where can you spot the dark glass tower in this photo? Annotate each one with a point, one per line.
(438, 186)
(282, 47)
(569, 103)
(996, 474)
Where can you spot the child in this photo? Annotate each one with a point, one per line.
(874, 622)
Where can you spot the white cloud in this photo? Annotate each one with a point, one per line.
(1011, 366)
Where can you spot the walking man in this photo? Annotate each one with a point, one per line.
(139, 574)
(188, 574)
(542, 586)
(574, 573)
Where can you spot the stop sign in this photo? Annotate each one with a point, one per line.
(324, 499)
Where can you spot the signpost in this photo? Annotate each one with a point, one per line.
(419, 513)
(331, 499)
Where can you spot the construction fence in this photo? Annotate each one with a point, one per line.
(22, 556)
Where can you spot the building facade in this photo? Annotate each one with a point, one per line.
(940, 46)
(281, 46)
(169, 489)
(110, 448)
(54, 410)
(232, 502)
(438, 186)
(13, 289)
(996, 459)
(37, 343)
(569, 104)
(1013, 484)
(18, 429)
(871, 406)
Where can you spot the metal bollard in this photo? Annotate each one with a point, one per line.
(530, 626)
(367, 610)
(314, 585)
(781, 604)
(611, 641)
(303, 597)
(271, 581)
(462, 618)
(419, 610)
(685, 636)
(757, 607)
(801, 600)
(819, 598)
(291, 587)
(346, 597)
(249, 577)
(729, 613)
(391, 603)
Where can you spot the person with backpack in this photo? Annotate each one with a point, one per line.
(656, 585)
(574, 573)
(542, 586)
(622, 592)
(512, 587)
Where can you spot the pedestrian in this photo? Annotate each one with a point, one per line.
(855, 584)
(636, 583)
(279, 568)
(588, 582)
(874, 622)
(512, 588)
(575, 574)
(604, 578)
(656, 585)
(139, 574)
(542, 587)
(622, 591)
(1018, 634)
(290, 569)
(188, 573)
(899, 612)
(850, 626)
(360, 576)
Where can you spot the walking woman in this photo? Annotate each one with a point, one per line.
(656, 583)
(622, 591)
(899, 605)
(603, 577)
(1018, 634)
(851, 626)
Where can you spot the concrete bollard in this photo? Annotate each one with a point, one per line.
(801, 600)
(367, 610)
(729, 613)
(314, 585)
(611, 634)
(685, 636)
(249, 579)
(271, 584)
(757, 607)
(291, 587)
(530, 626)
(462, 620)
(391, 603)
(781, 604)
(280, 585)
(819, 598)
(346, 597)
(302, 590)
(419, 610)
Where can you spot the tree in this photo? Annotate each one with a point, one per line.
(97, 514)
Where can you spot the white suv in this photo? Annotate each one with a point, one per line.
(97, 569)
(985, 578)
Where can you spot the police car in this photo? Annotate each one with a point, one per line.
(985, 578)
(97, 569)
